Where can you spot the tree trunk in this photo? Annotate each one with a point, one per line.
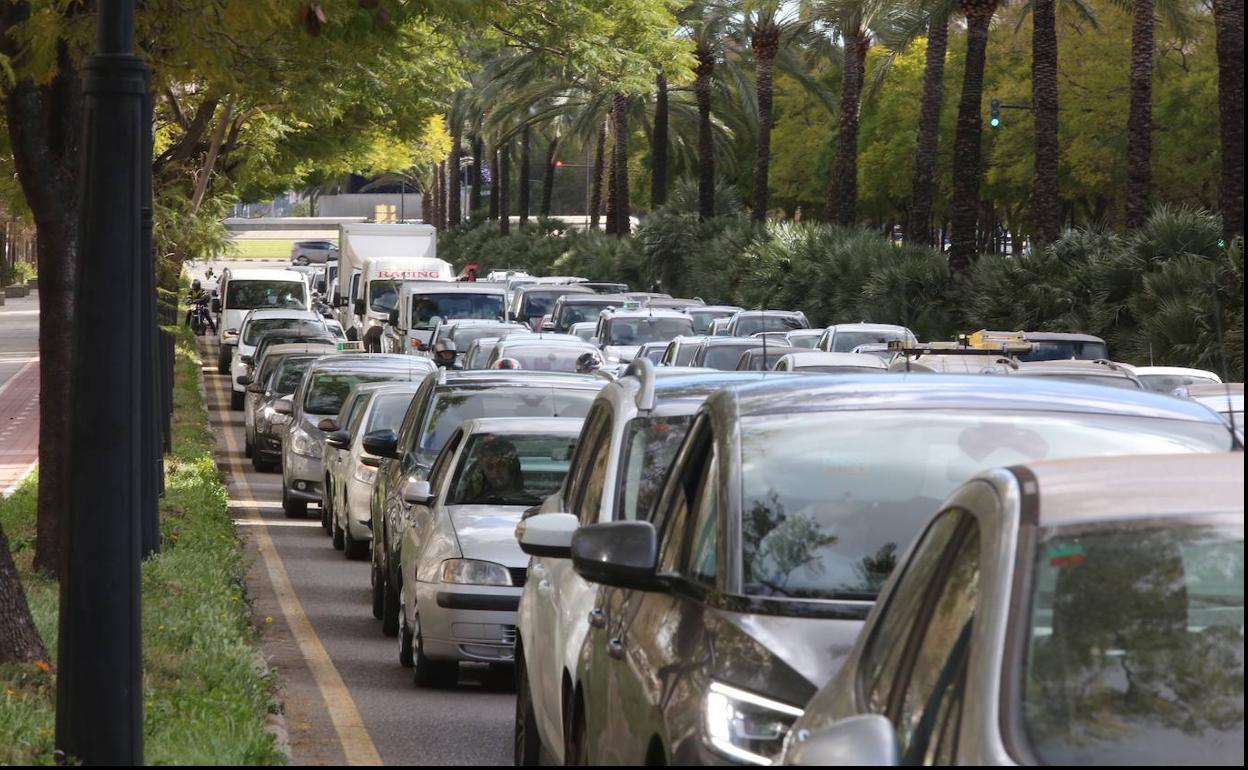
(919, 228)
(843, 190)
(474, 175)
(765, 42)
(504, 189)
(525, 164)
(19, 639)
(453, 194)
(1045, 200)
(45, 132)
(493, 183)
(706, 148)
(658, 145)
(595, 200)
(966, 143)
(620, 159)
(548, 178)
(1140, 117)
(442, 195)
(210, 158)
(612, 211)
(1228, 21)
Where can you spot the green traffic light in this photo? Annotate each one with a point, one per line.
(995, 122)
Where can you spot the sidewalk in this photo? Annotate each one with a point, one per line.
(19, 389)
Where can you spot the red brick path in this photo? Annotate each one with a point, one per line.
(19, 425)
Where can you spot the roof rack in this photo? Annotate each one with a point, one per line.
(643, 370)
(956, 348)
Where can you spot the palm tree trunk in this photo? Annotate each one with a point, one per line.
(548, 178)
(493, 183)
(706, 149)
(966, 143)
(619, 158)
(525, 163)
(920, 226)
(504, 189)
(1140, 117)
(843, 190)
(658, 145)
(1045, 198)
(474, 179)
(611, 209)
(1228, 22)
(453, 192)
(595, 200)
(432, 216)
(764, 42)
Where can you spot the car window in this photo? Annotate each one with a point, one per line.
(672, 521)
(353, 410)
(510, 469)
(590, 495)
(702, 564)
(650, 445)
(450, 407)
(596, 427)
(287, 378)
(881, 658)
(407, 429)
(388, 411)
(441, 466)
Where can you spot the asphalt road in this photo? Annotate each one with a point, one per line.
(347, 699)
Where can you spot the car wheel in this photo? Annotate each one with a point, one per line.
(390, 611)
(528, 746)
(354, 550)
(256, 463)
(301, 260)
(295, 509)
(441, 674)
(407, 641)
(327, 514)
(223, 360)
(339, 540)
(378, 579)
(236, 400)
(246, 448)
(577, 750)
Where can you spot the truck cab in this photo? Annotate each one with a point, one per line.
(423, 305)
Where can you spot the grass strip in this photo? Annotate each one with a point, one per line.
(206, 698)
(259, 248)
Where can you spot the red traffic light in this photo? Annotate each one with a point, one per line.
(558, 164)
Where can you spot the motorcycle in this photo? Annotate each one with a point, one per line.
(201, 321)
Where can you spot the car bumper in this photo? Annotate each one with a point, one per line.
(302, 476)
(474, 623)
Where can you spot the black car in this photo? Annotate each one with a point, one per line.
(750, 322)
(761, 359)
(722, 353)
(785, 510)
(444, 400)
(576, 308)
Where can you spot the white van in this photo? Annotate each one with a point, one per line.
(424, 305)
(243, 290)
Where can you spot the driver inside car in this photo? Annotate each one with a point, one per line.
(495, 475)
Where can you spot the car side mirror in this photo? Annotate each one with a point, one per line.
(283, 406)
(393, 318)
(255, 387)
(359, 307)
(618, 553)
(865, 739)
(328, 424)
(339, 439)
(547, 534)
(243, 380)
(383, 443)
(215, 305)
(417, 492)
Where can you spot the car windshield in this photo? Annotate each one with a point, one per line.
(1135, 644)
(547, 358)
(804, 341)
(827, 519)
(288, 377)
(649, 447)
(702, 319)
(254, 328)
(450, 408)
(581, 311)
(655, 355)
(724, 357)
(383, 296)
(388, 410)
(329, 389)
(1165, 383)
(643, 329)
(242, 294)
(1058, 351)
(511, 469)
(426, 307)
(846, 341)
(767, 322)
(538, 303)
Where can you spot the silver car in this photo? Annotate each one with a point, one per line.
(308, 252)
(463, 571)
(1077, 612)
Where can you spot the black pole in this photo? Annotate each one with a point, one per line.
(153, 467)
(99, 699)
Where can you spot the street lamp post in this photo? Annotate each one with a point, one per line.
(99, 716)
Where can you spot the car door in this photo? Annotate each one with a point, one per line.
(344, 461)
(651, 642)
(390, 474)
(913, 668)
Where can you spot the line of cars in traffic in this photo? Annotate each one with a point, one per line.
(810, 546)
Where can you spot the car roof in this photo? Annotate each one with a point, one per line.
(1178, 371)
(312, 346)
(593, 299)
(658, 312)
(1202, 389)
(740, 342)
(453, 287)
(265, 274)
(847, 392)
(1085, 490)
(759, 350)
(519, 377)
(868, 327)
(565, 288)
(1060, 337)
(364, 362)
(821, 358)
(744, 313)
(805, 332)
(718, 308)
(688, 339)
(293, 313)
(508, 343)
(1072, 366)
(680, 390)
(552, 426)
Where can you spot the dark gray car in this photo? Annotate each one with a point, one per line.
(785, 511)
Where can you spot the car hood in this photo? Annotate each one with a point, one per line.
(788, 657)
(488, 532)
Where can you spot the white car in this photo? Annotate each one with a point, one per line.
(621, 332)
(819, 362)
(843, 338)
(1164, 379)
(462, 568)
(542, 354)
(350, 470)
(583, 329)
(247, 289)
(256, 323)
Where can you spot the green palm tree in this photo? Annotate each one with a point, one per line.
(1228, 22)
(919, 227)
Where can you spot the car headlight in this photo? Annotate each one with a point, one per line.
(364, 474)
(303, 444)
(374, 322)
(473, 572)
(745, 726)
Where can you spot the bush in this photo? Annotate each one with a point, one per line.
(18, 272)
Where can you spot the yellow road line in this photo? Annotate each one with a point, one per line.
(357, 746)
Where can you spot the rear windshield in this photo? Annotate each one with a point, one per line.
(536, 304)
(845, 342)
(702, 318)
(723, 357)
(752, 324)
(476, 357)
(388, 411)
(450, 408)
(444, 307)
(640, 330)
(510, 469)
(243, 294)
(1056, 351)
(1135, 644)
(804, 340)
(329, 389)
(253, 329)
(572, 313)
(551, 358)
(290, 375)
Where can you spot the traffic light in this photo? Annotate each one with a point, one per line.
(994, 114)
(558, 164)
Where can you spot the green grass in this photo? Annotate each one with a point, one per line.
(205, 700)
(259, 248)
